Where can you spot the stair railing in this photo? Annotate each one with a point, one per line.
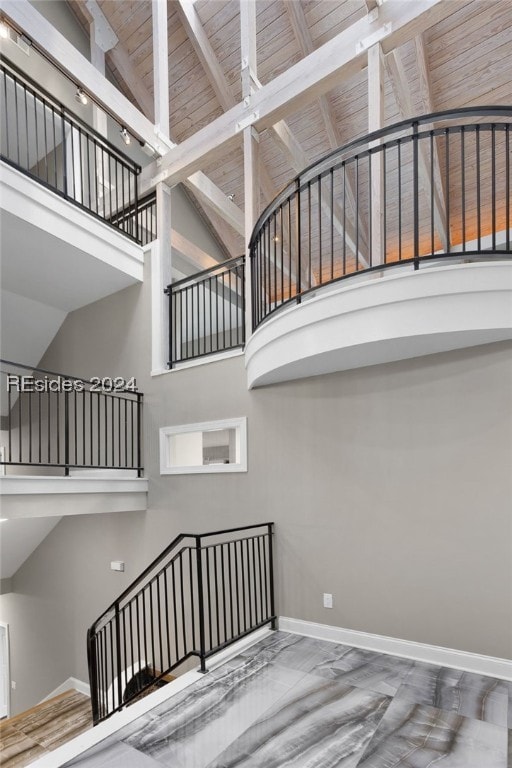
(200, 595)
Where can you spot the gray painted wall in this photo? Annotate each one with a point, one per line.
(390, 487)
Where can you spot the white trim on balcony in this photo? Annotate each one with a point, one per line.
(384, 319)
(73, 230)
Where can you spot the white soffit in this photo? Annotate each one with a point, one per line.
(43, 235)
(382, 320)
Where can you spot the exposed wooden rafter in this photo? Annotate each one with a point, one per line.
(340, 57)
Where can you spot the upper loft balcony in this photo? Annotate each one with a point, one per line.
(69, 207)
(394, 246)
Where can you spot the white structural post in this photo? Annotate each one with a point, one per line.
(251, 143)
(375, 122)
(102, 39)
(161, 265)
(161, 67)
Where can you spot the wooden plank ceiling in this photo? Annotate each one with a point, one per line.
(468, 57)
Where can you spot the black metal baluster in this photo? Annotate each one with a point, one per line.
(310, 234)
(432, 224)
(216, 584)
(200, 597)
(38, 423)
(30, 427)
(447, 175)
(399, 166)
(175, 609)
(223, 586)
(384, 204)
(416, 195)
(167, 621)
(507, 186)
(463, 186)
(192, 601)
(271, 576)
(298, 277)
(237, 591)
(493, 184)
(183, 615)
(344, 272)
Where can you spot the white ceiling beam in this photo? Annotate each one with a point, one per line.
(195, 255)
(160, 66)
(199, 184)
(215, 75)
(117, 58)
(371, 5)
(318, 73)
(209, 194)
(205, 53)
(43, 34)
(403, 97)
(249, 69)
(248, 72)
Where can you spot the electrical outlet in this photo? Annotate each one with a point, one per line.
(117, 565)
(327, 600)
(13, 685)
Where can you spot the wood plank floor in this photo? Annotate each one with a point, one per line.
(39, 730)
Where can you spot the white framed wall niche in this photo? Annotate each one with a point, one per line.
(205, 447)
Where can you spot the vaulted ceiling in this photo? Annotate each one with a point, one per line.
(463, 60)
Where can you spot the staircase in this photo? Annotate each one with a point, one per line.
(201, 594)
(41, 729)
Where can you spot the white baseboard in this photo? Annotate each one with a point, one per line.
(432, 654)
(67, 685)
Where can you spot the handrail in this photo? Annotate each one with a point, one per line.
(37, 89)
(207, 311)
(396, 196)
(59, 421)
(45, 140)
(162, 556)
(197, 276)
(140, 217)
(192, 600)
(432, 117)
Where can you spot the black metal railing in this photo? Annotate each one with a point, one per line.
(54, 423)
(207, 312)
(43, 139)
(433, 187)
(203, 593)
(139, 220)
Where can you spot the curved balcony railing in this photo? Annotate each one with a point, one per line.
(430, 188)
